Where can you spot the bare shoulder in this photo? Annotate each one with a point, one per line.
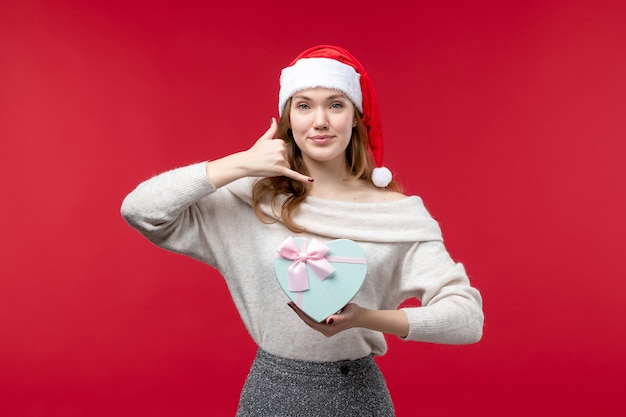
(357, 192)
(383, 195)
(373, 194)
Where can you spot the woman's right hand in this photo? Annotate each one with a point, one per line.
(266, 158)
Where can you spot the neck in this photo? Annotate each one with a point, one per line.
(328, 172)
(332, 179)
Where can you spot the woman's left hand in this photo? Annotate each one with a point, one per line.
(386, 321)
(335, 323)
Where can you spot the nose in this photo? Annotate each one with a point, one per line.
(320, 121)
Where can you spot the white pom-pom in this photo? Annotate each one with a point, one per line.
(381, 177)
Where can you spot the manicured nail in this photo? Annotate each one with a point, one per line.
(310, 180)
(330, 321)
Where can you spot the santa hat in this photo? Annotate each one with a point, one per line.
(333, 67)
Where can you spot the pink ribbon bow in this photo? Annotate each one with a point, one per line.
(314, 256)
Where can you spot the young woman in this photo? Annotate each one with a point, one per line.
(315, 175)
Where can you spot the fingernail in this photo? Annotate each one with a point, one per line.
(310, 180)
(330, 321)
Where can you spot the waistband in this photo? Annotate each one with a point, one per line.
(326, 369)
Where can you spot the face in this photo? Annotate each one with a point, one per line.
(321, 123)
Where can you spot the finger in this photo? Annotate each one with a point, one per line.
(302, 314)
(271, 131)
(333, 318)
(296, 175)
(338, 317)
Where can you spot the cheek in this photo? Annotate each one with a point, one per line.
(346, 125)
(345, 121)
(298, 123)
(298, 132)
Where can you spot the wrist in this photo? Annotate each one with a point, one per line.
(386, 321)
(227, 169)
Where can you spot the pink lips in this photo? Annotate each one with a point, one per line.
(321, 139)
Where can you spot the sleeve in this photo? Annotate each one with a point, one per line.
(170, 210)
(451, 309)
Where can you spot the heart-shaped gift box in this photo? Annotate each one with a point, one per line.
(320, 278)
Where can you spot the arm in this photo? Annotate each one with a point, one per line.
(168, 208)
(266, 158)
(451, 311)
(386, 321)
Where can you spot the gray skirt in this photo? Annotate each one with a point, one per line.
(280, 387)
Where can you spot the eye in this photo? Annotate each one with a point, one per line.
(336, 105)
(302, 106)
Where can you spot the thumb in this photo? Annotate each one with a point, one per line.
(271, 131)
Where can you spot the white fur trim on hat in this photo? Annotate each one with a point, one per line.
(319, 72)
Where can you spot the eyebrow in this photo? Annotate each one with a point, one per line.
(329, 98)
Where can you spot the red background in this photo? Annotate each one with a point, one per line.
(508, 118)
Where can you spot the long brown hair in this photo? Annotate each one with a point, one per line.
(358, 161)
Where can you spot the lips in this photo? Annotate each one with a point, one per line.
(321, 139)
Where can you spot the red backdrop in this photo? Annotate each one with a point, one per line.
(508, 118)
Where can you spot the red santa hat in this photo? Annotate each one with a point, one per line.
(333, 67)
